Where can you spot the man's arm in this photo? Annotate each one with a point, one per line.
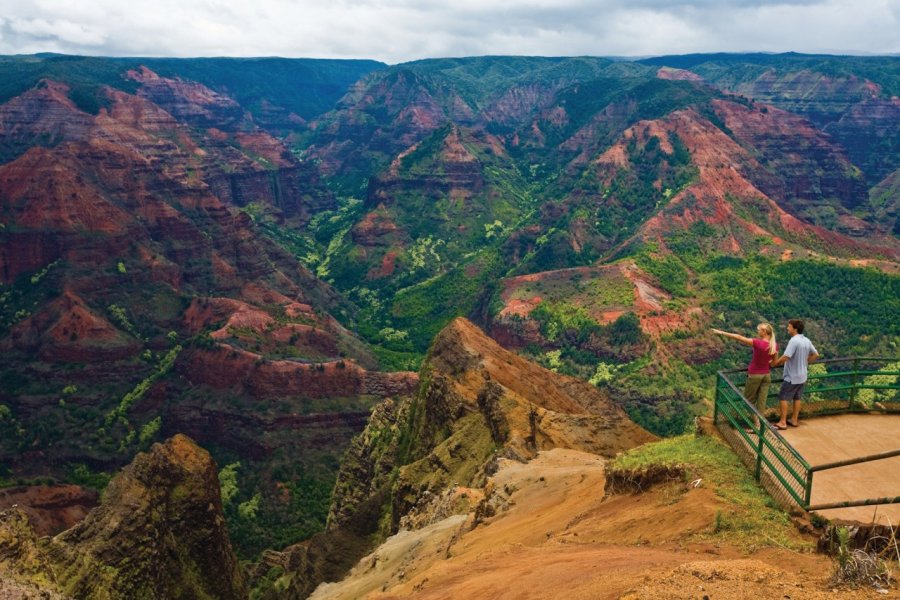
(788, 354)
(780, 360)
(813, 356)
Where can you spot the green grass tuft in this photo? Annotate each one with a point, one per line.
(748, 518)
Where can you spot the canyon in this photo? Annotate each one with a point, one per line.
(387, 301)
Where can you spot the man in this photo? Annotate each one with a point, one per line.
(796, 358)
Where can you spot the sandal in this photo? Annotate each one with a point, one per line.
(792, 424)
(779, 427)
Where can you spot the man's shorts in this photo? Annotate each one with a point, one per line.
(791, 391)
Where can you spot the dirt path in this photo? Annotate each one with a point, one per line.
(839, 437)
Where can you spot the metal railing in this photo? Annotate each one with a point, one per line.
(838, 385)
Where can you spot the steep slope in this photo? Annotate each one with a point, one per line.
(159, 533)
(477, 404)
(557, 526)
(597, 216)
(441, 200)
(687, 198)
(884, 198)
(467, 166)
(730, 181)
(853, 98)
(126, 238)
(592, 163)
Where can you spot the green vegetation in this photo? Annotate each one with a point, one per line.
(748, 518)
(633, 194)
(428, 307)
(407, 250)
(120, 317)
(165, 365)
(83, 74)
(149, 431)
(228, 482)
(849, 311)
(260, 517)
(478, 80)
(81, 474)
(732, 70)
(19, 300)
(862, 567)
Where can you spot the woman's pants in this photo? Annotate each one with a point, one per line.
(756, 390)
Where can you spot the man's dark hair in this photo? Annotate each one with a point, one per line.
(797, 324)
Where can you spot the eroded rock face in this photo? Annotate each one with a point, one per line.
(802, 165)
(159, 533)
(477, 403)
(737, 189)
(477, 400)
(124, 217)
(188, 101)
(68, 330)
(51, 509)
(819, 97)
(869, 132)
(44, 116)
(227, 367)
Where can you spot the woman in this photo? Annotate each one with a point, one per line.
(756, 390)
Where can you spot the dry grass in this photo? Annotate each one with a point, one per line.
(864, 567)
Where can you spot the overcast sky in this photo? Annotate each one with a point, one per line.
(400, 30)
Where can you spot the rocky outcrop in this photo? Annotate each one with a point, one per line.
(294, 189)
(159, 533)
(729, 176)
(67, 330)
(43, 116)
(377, 228)
(477, 400)
(477, 403)
(819, 97)
(673, 74)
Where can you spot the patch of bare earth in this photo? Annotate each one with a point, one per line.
(545, 530)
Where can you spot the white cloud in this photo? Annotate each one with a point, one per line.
(60, 29)
(399, 30)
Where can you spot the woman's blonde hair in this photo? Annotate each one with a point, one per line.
(769, 336)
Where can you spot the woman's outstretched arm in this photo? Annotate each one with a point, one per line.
(744, 340)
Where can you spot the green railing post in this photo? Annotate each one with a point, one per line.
(807, 493)
(855, 384)
(716, 402)
(759, 449)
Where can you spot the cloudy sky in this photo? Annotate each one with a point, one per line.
(399, 30)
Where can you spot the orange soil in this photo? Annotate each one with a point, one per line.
(556, 537)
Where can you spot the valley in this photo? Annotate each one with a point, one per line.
(360, 286)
